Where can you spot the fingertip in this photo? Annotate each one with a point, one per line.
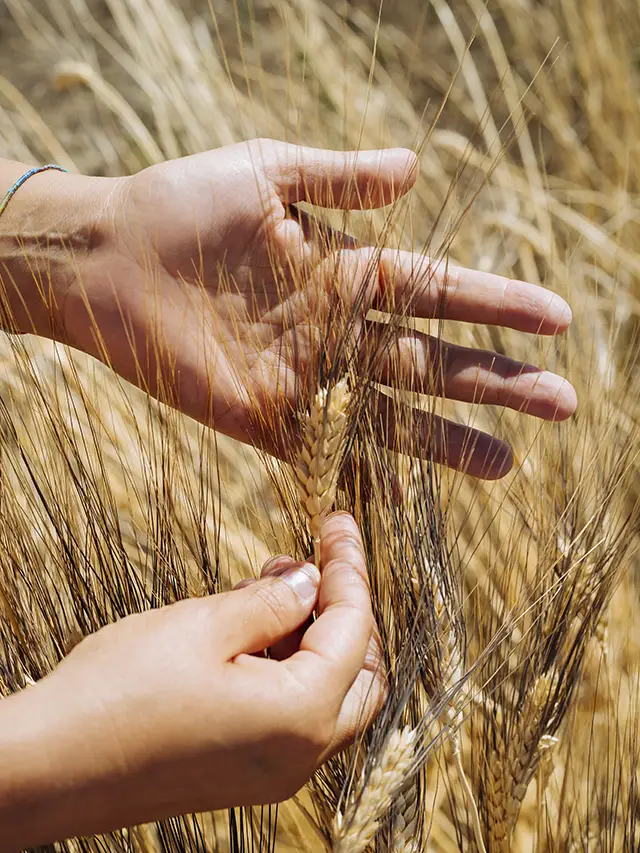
(340, 536)
(566, 403)
(272, 609)
(565, 314)
(500, 465)
(303, 579)
(559, 316)
(382, 176)
(405, 160)
(553, 398)
(524, 306)
(402, 167)
(471, 452)
(413, 166)
(494, 463)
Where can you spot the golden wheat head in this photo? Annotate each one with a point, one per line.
(354, 829)
(318, 464)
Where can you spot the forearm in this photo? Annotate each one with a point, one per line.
(48, 229)
(55, 781)
(27, 782)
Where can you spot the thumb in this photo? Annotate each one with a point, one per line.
(259, 615)
(351, 180)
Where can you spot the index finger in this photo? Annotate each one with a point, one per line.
(334, 647)
(437, 289)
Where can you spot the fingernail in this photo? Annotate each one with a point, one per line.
(303, 580)
(276, 566)
(288, 566)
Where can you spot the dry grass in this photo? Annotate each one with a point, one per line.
(507, 611)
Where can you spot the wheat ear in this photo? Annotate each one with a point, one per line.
(528, 749)
(405, 822)
(318, 464)
(498, 798)
(355, 828)
(450, 662)
(512, 766)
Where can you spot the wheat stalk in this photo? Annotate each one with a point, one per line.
(449, 669)
(355, 828)
(318, 464)
(468, 791)
(69, 74)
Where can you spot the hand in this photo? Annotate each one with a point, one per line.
(177, 710)
(178, 293)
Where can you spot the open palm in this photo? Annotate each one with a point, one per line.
(209, 293)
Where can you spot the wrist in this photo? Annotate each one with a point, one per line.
(48, 232)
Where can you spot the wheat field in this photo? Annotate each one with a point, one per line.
(513, 716)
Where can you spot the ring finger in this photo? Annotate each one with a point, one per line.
(414, 361)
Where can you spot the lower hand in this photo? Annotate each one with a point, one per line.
(177, 710)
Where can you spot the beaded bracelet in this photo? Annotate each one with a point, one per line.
(14, 189)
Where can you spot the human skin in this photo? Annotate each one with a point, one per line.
(168, 276)
(175, 710)
(190, 280)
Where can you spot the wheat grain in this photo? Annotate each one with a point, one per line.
(450, 658)
(356, 827)
(545, 767)
(525, 756)
(405, 823)
(512, 765)
(497, 798)
(318, 464)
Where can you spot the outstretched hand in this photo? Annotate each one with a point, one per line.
(200, 286)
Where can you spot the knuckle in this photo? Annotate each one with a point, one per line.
(352, 572)
(269, 597)
(451, 281)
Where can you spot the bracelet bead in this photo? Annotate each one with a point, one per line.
(22, 180)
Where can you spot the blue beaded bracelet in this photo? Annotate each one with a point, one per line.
(14, 189)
